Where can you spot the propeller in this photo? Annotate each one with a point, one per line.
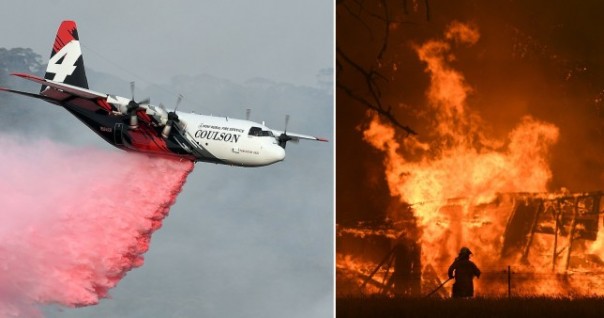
(284, 138)
(133, 106)
(172, 118)
(248, 112)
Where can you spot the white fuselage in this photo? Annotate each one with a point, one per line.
(235, 141)
(231, 141)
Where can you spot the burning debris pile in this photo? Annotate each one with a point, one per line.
(550, 240)
(457, 186)
(566, 217)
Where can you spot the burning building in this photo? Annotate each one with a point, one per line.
(549, 240)
(460, 184)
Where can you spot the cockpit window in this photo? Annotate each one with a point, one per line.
(267, 133)
(257, 131)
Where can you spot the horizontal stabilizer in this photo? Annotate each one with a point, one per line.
(70, 89)
(44, 98)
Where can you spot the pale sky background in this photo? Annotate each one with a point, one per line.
(280, 40)
(239, 242)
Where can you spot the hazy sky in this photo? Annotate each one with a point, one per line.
(281, 40)
(238, 242)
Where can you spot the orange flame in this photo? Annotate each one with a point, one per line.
(452, 175)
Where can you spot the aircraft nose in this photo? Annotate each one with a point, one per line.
(277, 153)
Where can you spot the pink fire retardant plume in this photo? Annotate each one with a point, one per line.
(74, 220)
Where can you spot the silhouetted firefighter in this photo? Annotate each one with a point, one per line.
(464, 270)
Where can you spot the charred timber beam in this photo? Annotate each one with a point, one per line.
(387, 281)
(557, 213)
(377, 268)
(527, 247)
(571, 235)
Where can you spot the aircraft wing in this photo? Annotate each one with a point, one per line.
(62, 87)
(296, 137)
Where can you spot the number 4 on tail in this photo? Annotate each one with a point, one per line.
(62, 64)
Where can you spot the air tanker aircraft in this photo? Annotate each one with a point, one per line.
(140, 126)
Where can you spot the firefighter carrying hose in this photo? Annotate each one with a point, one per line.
(463, 270)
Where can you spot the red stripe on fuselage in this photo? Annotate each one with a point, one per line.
(103, 104)
(142, 115)
(145, 139)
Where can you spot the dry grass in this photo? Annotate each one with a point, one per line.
(477, 307)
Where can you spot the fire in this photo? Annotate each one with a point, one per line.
(456, 178)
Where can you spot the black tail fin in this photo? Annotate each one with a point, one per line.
(66, 64)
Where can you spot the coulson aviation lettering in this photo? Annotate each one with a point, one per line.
(227, 134)
(217, 135)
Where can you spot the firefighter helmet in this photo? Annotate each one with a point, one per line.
(465, 251)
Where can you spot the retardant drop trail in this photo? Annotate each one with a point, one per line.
(75, 220)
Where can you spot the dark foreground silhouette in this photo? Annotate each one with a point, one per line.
(477, 307)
